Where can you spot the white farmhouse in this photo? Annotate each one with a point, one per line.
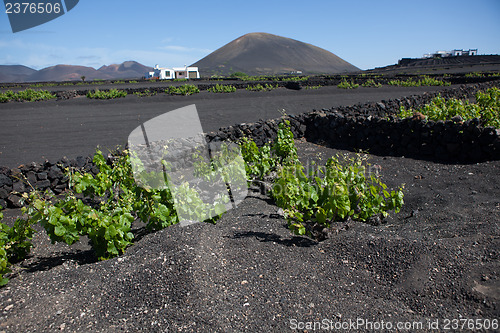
(164, 73)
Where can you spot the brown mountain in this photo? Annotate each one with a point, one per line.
(126, 70)
(15, 73)
(263, 53)
(62, 73)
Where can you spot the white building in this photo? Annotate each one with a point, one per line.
(471, 52)
(164, 73)
(444, 54)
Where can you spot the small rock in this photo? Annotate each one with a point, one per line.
(42, 176)
(43, 184)
(19, 187)
(293, 85)
(4, 180)
(457, 119)
(8, 307)
(31, 177)
(14, 201)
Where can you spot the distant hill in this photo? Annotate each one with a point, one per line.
(126, 70)
(15, 73)
(62, 73)
(263, 53)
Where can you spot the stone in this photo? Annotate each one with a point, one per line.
(16, 173)
(42, 184)
(31, 176)
(14, 201)
(42, 176)
(18, 187)
(35, 166)
(3, 194)
(457, 119)
(5, 180)
(4, 171)
(80, 161)
(293, 85)
(55, 173)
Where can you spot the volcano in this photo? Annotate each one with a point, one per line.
(267, 54)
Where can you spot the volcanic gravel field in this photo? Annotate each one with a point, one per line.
(436, 261)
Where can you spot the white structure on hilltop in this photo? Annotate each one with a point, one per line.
(444, 54)
(471, 52)
(164, 73)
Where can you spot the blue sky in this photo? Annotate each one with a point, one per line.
(367, 33)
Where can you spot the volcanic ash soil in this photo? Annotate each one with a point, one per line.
(438, 258)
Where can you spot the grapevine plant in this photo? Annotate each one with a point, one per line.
(185, 89)
(334, 192)
(486, 108)
(110, 94)
(221, 88)
(28, 95)
(15, 244)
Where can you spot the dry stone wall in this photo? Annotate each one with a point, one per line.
(372, 127)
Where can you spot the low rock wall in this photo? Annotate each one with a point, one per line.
(372, 127)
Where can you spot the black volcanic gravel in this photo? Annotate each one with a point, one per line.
(437, 259)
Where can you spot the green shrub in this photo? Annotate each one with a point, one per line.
(15, 244)
(260, 87)
(347, 85)
(29, 95)
(487, 108)
(4, 261)
(239, 75)
(110, 94)
(186, 89)
(371, 83)
(332, 193)
(220, 88)
(475, 74)
(424, 81)
(313, 87)
(258, 162)
(38, 85)
(145, 93)
(115, 202)
(291, 79)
